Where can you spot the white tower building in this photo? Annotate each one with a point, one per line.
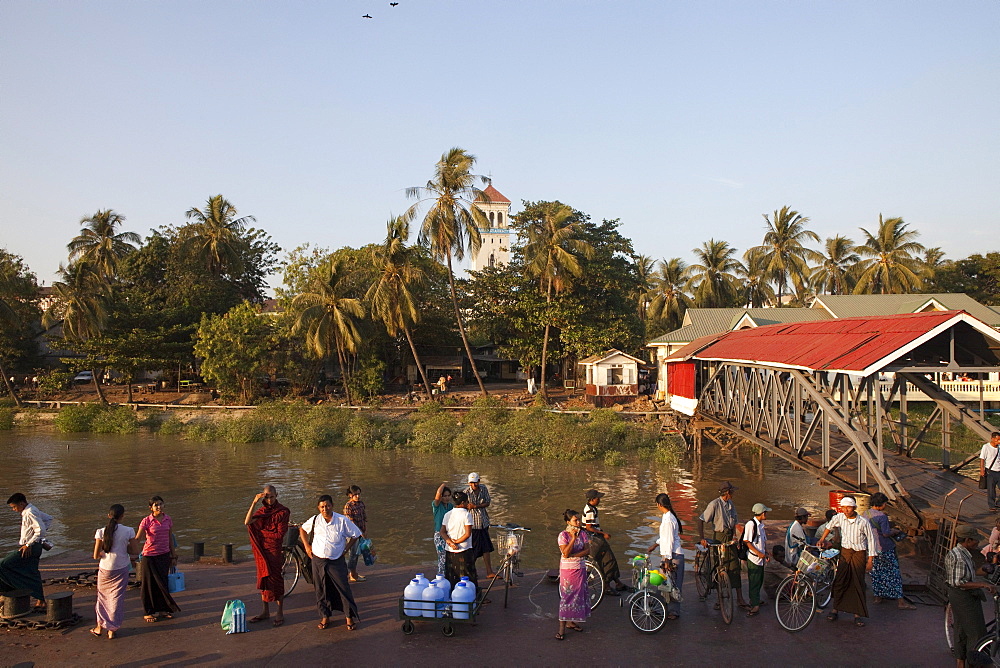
(495, 249)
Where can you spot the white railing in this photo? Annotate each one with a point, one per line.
(966, 391)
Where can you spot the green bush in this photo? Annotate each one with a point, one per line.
(369, 431)
(201, 431)
(120, 420)
(74, 419)
(171, 426)
(322, 426)
(7, 418)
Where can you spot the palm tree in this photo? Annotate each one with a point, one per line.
(100, 245)
(328, 317)
(785, 257)
(932, 260)
(757, 290)
(644, 272)
(9, 317)
(551, 255)
(711, 280)
(81, 304)
(391, 295)
(452, 223)
(835, 274)
(892, 266)
(216, 236)
(668, 298)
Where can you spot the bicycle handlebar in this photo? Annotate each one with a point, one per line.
(509, 526)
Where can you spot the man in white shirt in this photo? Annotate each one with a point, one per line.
(333, 534)
(456, 530)
(858, 549)
(19, 569)
(989, 467)
(795, 537)
(755, 539)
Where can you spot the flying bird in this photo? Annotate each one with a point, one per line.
(367, 16)
(393, 4)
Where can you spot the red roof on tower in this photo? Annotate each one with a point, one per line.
(494, 196)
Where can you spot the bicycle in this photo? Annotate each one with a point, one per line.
(647, 607)
(293, 558)
(990, 643)
(709, 574)
(509, 541)
(595, 583)
(806, 590)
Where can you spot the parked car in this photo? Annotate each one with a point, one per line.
(84, 377)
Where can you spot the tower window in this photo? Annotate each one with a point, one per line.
(493, 260)
(499, 219)
(491, 219)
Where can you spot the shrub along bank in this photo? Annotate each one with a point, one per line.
(487, 429)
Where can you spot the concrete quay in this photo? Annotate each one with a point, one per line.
(520, 635)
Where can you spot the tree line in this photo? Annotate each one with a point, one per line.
(191, 295)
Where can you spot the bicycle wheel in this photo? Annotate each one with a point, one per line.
(595, 584)
(795, 603)
(824, 589)
(949, 626)
(648, 612)
(290, 572)
(701, 579)
(725, 596)
(987, 645)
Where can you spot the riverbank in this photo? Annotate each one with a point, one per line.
(521, 634)
(487, 428)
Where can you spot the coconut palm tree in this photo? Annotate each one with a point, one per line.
(216, 235)
(835, 273)
(932, 260)
(552, 256)
(785, 256)
(669, 300)
(328, 317)
(644, 273)
(892, 265)
(452, 222)
(756, 289)
(391, 295)
(81, 305)
(100, 245)
(712, 279)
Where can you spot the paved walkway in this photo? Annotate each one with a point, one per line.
(520, 635)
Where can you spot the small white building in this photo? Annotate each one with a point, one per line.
(612, 377)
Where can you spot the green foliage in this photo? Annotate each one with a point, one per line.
(977, 275)
(320, 427)
(119, 420)
(7, 418)
(434, 430)
(371, 432)
(201, 431)
(53, 382)
(74, 419)
(235, 349)
(367, 381)
(172, 426)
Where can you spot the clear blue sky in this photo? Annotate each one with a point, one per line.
(686, 120)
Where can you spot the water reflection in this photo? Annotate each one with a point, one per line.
(208, 487)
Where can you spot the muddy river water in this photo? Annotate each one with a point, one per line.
(208, 488)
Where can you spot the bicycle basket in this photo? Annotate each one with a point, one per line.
(810, 563)
(509, 542)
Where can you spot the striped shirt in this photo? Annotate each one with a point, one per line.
(958, 567)
(479, 497)
(855, 533)
(590, 515)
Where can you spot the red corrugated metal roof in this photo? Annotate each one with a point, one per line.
(850, 344)
(494, 195)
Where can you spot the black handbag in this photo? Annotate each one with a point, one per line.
(982, 482)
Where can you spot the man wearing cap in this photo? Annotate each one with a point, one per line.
(858, 549)
(795, 537)
(963, 594)
(755, 538)
(600, 550)
(721, 514)
(478, 501)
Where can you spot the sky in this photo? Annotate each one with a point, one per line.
(685, 120)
